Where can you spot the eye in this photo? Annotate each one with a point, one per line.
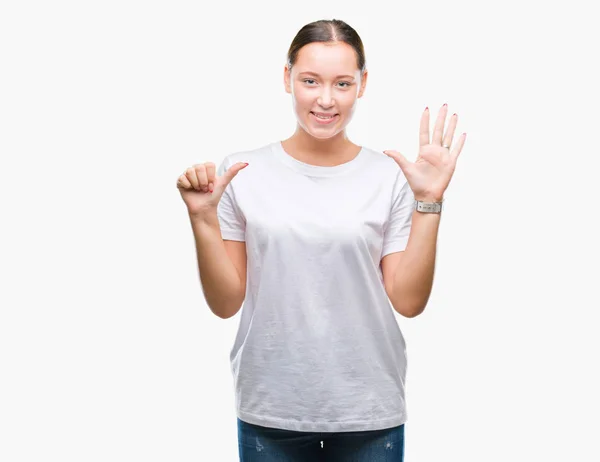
(344, 84)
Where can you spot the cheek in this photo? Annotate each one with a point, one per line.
(302, 97)
(345, 104)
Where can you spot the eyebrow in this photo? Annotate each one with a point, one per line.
(317, 75)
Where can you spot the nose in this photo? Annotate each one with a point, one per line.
(325, 99)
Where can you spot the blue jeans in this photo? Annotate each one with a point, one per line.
(264, 444)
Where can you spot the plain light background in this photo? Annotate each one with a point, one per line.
(108, 351)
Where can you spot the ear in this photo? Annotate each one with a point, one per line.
(287, 79)
(363, 83)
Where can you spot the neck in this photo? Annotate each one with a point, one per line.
(325, 152)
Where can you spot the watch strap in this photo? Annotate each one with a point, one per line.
(428, 207)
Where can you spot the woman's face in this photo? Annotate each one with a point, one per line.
(326, 81)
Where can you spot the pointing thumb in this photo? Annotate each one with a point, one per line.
(232, 171)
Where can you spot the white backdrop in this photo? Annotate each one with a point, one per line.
(108, 351)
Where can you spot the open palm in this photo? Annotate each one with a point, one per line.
(430, 174)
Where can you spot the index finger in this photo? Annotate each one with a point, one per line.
(210, 171)
(424, 128)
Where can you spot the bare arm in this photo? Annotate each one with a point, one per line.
(412, 279)
(220, 269)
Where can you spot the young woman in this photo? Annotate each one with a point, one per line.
(318, 240)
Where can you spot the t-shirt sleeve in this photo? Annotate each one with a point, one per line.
(395, 237)
(231, 220)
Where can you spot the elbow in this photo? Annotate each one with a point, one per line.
(224, 316)
(228, 310)
(225, 313)
(411, 304)
(415, 313)
(409, 310)
(408, 313)
(409, 301)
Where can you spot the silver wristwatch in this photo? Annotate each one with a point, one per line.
(428, 207)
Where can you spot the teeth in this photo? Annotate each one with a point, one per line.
(322, 117)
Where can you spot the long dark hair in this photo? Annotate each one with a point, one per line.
(327, 30)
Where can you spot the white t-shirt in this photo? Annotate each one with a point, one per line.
(318, 346)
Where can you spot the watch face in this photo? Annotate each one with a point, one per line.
(434, 207)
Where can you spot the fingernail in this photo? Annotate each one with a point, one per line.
(445, 104)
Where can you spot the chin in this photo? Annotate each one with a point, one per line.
(323, 136)
(322, 133)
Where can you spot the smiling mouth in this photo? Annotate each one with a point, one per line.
(324, 117)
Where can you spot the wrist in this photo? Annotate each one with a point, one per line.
(430, 198)
(206, 216)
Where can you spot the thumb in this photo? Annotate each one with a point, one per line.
(399, 158)
(232, 171)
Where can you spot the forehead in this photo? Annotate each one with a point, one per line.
(327, 59)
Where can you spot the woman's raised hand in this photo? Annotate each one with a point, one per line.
(430, 174)
(201, 188)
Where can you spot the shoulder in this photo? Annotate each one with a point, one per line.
(259, 153)
(383, 165)
(378, 158)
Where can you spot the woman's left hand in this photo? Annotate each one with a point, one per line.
(430, 174)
